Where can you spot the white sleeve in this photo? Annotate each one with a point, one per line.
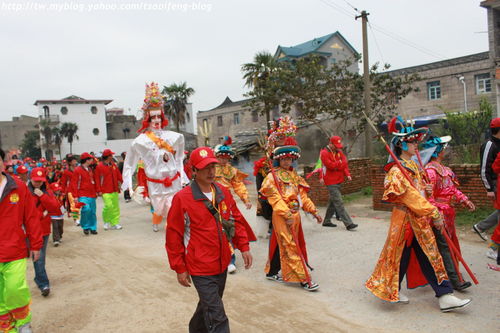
(179, 159)
(129, 166)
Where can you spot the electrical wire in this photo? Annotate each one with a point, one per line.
(376, 43)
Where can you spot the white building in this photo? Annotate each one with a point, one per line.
(89, 115)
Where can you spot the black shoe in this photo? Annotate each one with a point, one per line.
(86, 231)
(45, 291)
(462, 286)
(93, 232)
(329, 224)
(352, 226)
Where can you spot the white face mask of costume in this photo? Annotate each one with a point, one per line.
(155, 119)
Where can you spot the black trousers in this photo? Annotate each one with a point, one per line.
(126, 195)
(426, 267)
(57, 229)
(447, 259)
(209, 316)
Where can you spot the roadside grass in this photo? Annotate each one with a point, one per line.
(466, 219)
(364, 193)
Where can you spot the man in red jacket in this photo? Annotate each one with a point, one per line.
(108, 182)
(46, 205)
(18, 221)
(335, 169)
(202, 220)
(83, 189)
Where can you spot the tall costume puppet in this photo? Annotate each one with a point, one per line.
(162, 152)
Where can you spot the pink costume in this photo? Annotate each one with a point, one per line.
(445, 194)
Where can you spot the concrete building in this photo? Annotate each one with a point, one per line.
(493, 16)
(12, 132)
(247, 126)
(89, 115)
(449, 85)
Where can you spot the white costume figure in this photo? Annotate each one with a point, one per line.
(162, 152)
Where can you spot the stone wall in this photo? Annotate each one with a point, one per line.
(467, 174)
(12, 132)
(360, 172)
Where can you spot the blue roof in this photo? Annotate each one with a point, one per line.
(310, 46)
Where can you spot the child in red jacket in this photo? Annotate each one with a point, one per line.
(57, 219)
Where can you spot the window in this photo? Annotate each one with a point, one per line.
(483, 83)
(64, 110)
(219, 121)
(236, 118)
(205, 123)
(255, 116)
(46, 111)
(95, 131)
(433, 90)
(93, 110)
(333, 60)
(188, 117)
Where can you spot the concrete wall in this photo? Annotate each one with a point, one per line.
(116, 123)
(12, 132)
(452, 92)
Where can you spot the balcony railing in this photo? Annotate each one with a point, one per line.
(53, 118)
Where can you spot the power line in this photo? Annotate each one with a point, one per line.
(376, 43)
(337, 8)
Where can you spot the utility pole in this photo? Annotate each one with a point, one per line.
(366, 76)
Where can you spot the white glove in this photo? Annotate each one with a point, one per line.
(137, 195)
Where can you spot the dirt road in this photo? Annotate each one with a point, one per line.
(120, 281)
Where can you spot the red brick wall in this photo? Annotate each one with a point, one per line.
(467, 174)
(360, 172)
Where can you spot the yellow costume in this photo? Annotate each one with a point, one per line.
(412, 212)
(286, 207)
(230, 177)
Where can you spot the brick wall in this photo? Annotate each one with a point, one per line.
(360, 172)
(467, 174)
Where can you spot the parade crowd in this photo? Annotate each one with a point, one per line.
(195, 193)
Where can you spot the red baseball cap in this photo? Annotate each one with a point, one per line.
(107, 152)
(201, 157)
(495, 123)
(38, 175)
(336, 141)
(85, 155)
(55, 187)
(21, 169)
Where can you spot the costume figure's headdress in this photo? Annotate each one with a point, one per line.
(403, 132)
(280, 129)
(225, 148)
(437, 144)
(290, 149)
(153, 101)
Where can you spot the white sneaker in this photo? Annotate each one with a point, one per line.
(26, 328)
(310, 287)
(117, 227)
(155, 227)
(56, 243)
(450, 302)
(492, 254)
(403, 299)
(231, 269)
(77, 223)
(107, 226)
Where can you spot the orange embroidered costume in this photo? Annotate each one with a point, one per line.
(410, 244)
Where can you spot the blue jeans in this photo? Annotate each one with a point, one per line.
(88, 219)
(41, 278)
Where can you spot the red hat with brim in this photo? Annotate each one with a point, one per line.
(22, 169)
(336, 141)
(495, 123)
(85, 155)
(38, 175)
(107, 152)
(55, 187)
(201, 157)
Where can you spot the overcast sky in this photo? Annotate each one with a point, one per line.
(95, 50)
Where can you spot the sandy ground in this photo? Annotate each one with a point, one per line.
(120, 281)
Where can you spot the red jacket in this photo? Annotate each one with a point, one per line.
(18, 221)
(65, 180)
(46, 206)
(195, 240)
(107, 178)
(83, 183)
(336, 166)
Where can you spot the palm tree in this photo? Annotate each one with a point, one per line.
(257, 73)
(68, 130)
(57, 136)
(46, 131)
(176, 96)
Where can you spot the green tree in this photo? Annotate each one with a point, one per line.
(68, 131)
(30, 146)
(46, 132)
(57, 137)
(262, 76)
(176, 100)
